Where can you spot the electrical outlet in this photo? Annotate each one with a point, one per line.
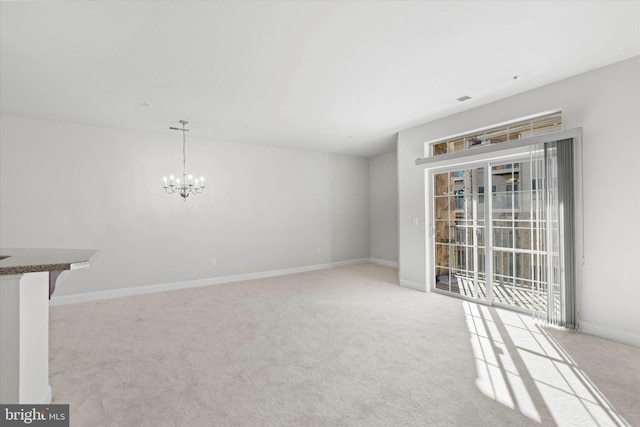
(214, 261)
(318, 251)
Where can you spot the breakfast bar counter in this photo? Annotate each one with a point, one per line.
(23, 260)
(27, 281)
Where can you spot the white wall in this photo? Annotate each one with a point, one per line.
(74, 186)
(349, 208)
(383, 210)
(606, 104)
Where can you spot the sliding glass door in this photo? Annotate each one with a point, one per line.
(502, 231)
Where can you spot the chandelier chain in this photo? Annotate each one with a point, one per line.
(184, 145)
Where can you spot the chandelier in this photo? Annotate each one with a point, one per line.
(187, 185)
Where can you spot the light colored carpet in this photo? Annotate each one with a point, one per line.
(345, 346)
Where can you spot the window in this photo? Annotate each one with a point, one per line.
(504, 132)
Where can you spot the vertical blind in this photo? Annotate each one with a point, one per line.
(552, 169)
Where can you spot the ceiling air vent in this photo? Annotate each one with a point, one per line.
(463, 98)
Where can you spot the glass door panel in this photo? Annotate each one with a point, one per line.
(519, 235)
(459, 236)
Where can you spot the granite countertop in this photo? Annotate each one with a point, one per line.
(23, 260)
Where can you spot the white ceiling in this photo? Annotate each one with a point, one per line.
(327, 76)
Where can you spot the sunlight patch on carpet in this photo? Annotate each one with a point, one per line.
(518, 363)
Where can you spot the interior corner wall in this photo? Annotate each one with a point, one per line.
(73, 186)
(606, 104)
(383, 210)
(349, 208)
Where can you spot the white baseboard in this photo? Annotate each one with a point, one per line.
(413, 285)
(139, 290)
(383, 262)
(610, 334)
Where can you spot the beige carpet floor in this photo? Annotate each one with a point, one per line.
(345, 346)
